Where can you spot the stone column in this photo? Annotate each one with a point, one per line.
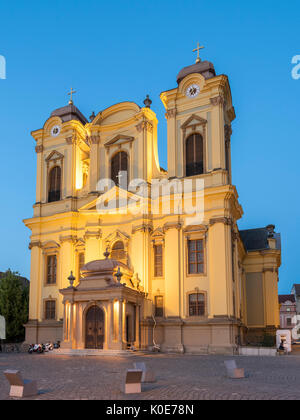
(220, 277)
(111, 323)
(217, 128)
(120, 326)
(124, 321)
(137, 326)
(64, 324)
(70, 162)
(71, 325)
(65, 266)
(173, 159)
(39, 183)
(172, 271)
(94, 164)
(36, 281)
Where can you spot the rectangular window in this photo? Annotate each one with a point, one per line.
(197, 304)
(50, 310)
(159, 306)
(196, 256)
(158, 260)
(289, 322)
(51, 269)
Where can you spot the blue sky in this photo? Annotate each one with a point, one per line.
(115, 51)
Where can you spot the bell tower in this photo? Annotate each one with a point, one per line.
(200, 105)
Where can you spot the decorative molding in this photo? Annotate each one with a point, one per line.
(144, 125)
(170, 225)
(195, 228)
(93, 234)
(71, 140)
(139, 127)
(157, 233)
(228, 132)
(268, 269)
(94, 139)
(224, 220)
(235, 235)
(193, 121)
(68, 238)
(171, 113)
(116, 236)
(231, 114)
(34, 243)
(142, 228)
(54, 155)
(218, 100)
(115, 141)
(39, 148)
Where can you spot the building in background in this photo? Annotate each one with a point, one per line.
(296, 292)
(288, 311)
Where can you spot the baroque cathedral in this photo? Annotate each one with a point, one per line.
(106, 277)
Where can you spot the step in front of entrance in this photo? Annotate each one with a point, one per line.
(89, 352)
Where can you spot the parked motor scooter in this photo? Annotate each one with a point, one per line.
(36, 348)
(48, 347)
(56, 345)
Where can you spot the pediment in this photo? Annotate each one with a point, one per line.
(118, 140)
(54, 156)
(193, 120)
(157, 234)
(115, 236)
(115, 200)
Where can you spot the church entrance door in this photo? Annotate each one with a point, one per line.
(94, 336)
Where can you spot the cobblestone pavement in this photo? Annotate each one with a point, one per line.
(179, 377)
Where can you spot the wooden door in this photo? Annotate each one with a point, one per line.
(94, 337)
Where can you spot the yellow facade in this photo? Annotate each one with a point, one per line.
(237, 282)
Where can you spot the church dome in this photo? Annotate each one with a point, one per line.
(100, 267)
(205, 68)
(68, 113)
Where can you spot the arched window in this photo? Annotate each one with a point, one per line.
(118, 252)
(194, 155)
(54, 184)
(119, 164)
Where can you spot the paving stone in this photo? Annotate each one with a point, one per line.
(179, 377)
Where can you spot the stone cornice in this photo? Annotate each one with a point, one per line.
(224, 220)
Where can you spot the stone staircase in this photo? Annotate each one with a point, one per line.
(88, 352)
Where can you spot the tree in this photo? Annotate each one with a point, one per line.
(14, 305)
